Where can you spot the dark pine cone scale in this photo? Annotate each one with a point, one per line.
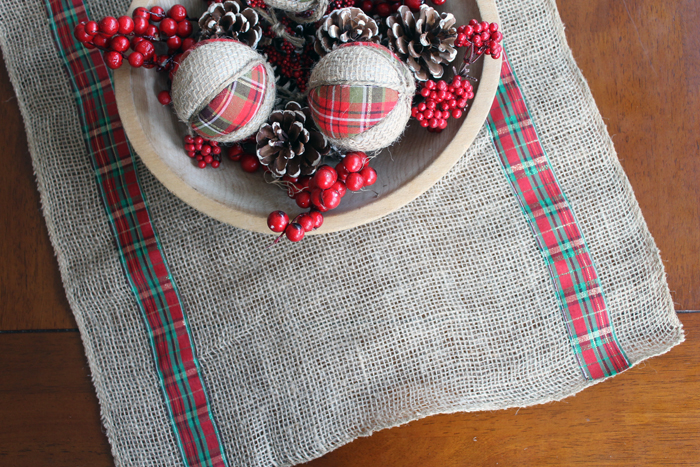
(425, 42)
(344, 25)
(289, 145)
(234, 19)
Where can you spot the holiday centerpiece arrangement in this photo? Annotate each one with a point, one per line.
(305, 93)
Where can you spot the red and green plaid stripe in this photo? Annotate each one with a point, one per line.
(140, 251)
(233, 107)
(345, 111)
(558, 236)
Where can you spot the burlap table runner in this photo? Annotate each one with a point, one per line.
(443, 306)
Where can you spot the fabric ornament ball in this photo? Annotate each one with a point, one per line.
(360, 96)
(223, 90)
(313, 9)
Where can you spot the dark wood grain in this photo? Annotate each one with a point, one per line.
(31, 293)
(48, 409)
(642, 61)
(647, 416)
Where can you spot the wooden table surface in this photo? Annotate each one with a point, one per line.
(642, 61)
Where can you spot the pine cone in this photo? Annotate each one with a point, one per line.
(233, 19)
(288, 144)
(426, 44)
(344, 25)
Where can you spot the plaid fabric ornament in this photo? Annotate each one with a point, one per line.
(345, 111)
(233, 107)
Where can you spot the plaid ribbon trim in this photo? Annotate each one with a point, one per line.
(140, 251)
(558, 236)
(345, 111)
(233, 107)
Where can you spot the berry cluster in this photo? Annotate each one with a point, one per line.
(249, 162)
(140, 32)
(384, 8)
(278, 221)
(257, 4)
(322, 192)
(338, 4)
(484, 37)
(442, 100)
(291, 64)
(203, 151)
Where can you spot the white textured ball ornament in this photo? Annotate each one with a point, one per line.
(360, 96)
(223, 90)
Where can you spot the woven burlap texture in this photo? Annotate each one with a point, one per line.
(210, 68)
(359, 65)
(443, 306)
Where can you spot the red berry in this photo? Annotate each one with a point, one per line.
(184, 29)
(100, 41)
(188, 139)
(317, 200)
(395, 6)
(277, 221)
(249, 163)
(91, 28)
(136, 60)
(443, 124)
(303, 199)
(168, 27)
(119, 43)
(157, 14)
(414, 5)
(164, 98)
(126, 25)
(325, 177)
(367, 6)
(206, 149)
(425, 92)
(81, 35)
(201, 164)
(430, 84)
(187, 43)
(152, 32)
(457, 113)
(141, 12)
(189, 147)
(306, 222)
(354, 161)
(424, 123)
(216, 164)
(370, 175)
(145, 48)
(383, 9)
(438, 2)
(109, 25)
(140, 26)
(113, 59)
(198, 140)
(493, 27)
(355, 182)
(422, 107)
(234, 152)
(318, 218)
(177, 12)
(294, 232)
(174, 42)
(331, 198)
(341, 171)
(339, 187)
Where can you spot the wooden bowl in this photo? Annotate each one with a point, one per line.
(405, 170)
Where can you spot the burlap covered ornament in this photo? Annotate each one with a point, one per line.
(223, 90)
(360, 96)
(302, 11)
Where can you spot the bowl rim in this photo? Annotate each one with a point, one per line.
(401, 196)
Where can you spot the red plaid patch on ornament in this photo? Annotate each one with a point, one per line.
(233, 107)
(346, 111)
